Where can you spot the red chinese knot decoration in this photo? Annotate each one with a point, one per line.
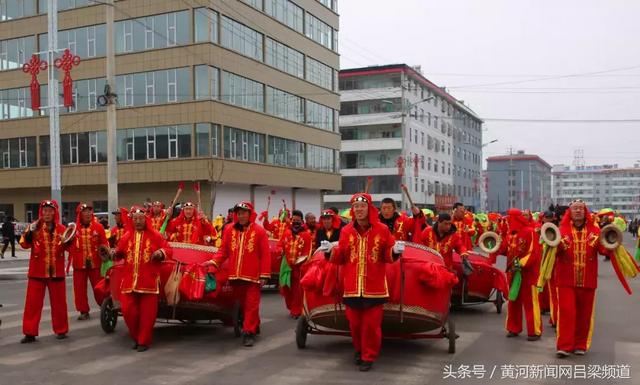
(66, 63)
(33, 67)
(400, 163)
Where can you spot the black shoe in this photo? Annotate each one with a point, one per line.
(533, 338)
(13, 256)
(248, 340)
(365, 366)
(28, 339)
(562, 354)
(357, 359)
(135, 346)
(512, 334)
(83, 317)
(142, 348)
(61, 336)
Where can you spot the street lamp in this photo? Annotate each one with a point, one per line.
(488, 143)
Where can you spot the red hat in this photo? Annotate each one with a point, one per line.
(80, 208)
(335, 218)
(516, 220)
(54, 205)
(566, 222)
(366, 198)
(244, 205)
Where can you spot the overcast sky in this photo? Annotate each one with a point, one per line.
(495, 54)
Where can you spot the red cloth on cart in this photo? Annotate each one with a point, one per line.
(193, 282)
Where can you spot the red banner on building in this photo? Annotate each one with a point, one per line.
(445, 202)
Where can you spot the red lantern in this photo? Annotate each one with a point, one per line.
(34, 67)
(66, 63)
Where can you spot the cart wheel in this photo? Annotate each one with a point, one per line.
(302, 329)
(499, 302)
(451, 335)
(237, 320)
(108, 316)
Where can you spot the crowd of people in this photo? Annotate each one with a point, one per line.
(362, 243)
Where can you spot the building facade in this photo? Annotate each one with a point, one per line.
(240, 95)
(603, 186)
(399, 128)
(518, 180)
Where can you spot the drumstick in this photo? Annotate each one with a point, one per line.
(173, 202)
(196, 188)
(369, 183)
(406, 192)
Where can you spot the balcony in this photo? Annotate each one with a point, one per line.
(371, 144)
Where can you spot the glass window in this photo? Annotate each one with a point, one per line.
(15, 9)
(319, 73)
(207, 82)
(320, 116)
(206, 25)
(241, 38)
(320, 158)
(285, 152)
(43, 143)
(284, 58)
(319, 31)
(284, 105)
(257, 4)
(16, 103)
(242, 92)
(244, 145)
(285, 12)
(15, 52)
(153, 32)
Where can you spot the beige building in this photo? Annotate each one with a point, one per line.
(240, 93)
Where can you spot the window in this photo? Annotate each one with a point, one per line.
(207, 139)
(206, 25)
(284, 105)
(153, 32)
(422, 138)
(319, 73)
(284, 58)
(93, 147)
(285, 152)
(320, 158)
(171, 29)
(241, 38)
(148, 32)
(285, 12)
(172, 88)
(91, 88)
(320, 32)
(150, 91)
(244, 145)
(242, 92)
(320, 116)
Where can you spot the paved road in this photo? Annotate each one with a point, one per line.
(211, 355)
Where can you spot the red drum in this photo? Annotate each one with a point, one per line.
(276, 258)
(419, 294)
(480, 286)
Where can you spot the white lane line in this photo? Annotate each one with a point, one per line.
(61, 349)
(207, 366)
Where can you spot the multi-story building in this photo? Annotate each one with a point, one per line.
(392, 118)
(241, 95)
(518, 180)
(603, 186)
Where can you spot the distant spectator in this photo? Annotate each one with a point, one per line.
(8, 236)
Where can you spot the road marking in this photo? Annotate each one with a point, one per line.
(63, 348)
(8, 340)
(209, 365)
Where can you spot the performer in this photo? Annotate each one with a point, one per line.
(246, 245)
(365, 246)
(312, 226)
(463, 224)
(576, 276)
(296, 243)
(278, 226)
(46, 271)
(522, 249)
(191, 227)
(402, 227)
(83, 253)
(330, 227)
(121, 217)
(444, 238)
(142, 249)
(158, 215)
(548, 297)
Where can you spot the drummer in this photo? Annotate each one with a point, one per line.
(444, 237)
(402, 227)
(157, 215)
(330, 226)
(117, 232)
(365, 246)
(142, 249)
(297, 248)
(464, 224)
(312, 226)
(191, 227)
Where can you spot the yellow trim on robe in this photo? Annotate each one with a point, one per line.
(537, 322)
(593, 319)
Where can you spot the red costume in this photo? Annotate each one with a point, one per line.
(117, 232)
(277, 227)
(444, 244)
(522, 250)
(247, 248)
(576, 277)
(158, 220)
(46, 271)
(466, 230)
(140, 279)
(83, 252)
(363, 253)
(295, 245)
(404, 228)
(196, 230)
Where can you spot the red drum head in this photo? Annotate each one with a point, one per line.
(192, 254)
(481, 283)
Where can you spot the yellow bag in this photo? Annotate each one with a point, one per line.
(171, 288)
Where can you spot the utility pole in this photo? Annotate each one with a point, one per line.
(403, 152)
(112, 160)
(52, 98)
(530, 189)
